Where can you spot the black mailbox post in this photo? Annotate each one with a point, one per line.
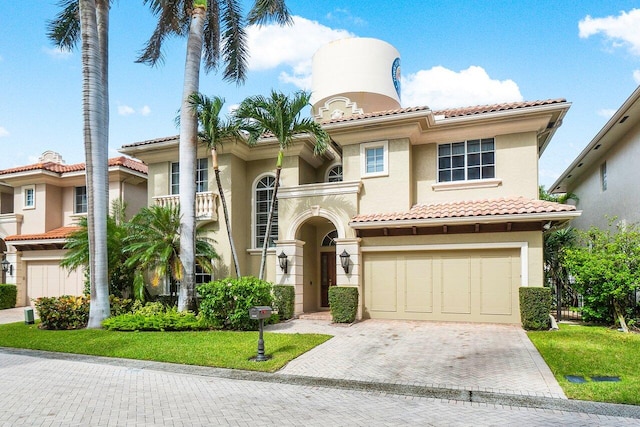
(260, 313)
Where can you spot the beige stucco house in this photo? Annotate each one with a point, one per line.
(437, 211)
(40, 205)
(603, 176)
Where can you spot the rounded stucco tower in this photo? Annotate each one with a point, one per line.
(355, 76)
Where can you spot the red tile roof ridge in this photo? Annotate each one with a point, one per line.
(152, 141)
(56, 233)
(470, 208)
(123, 161)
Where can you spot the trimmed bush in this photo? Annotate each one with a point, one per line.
(225, 303)
(283, 300)
(8, 295)
(153, 320)
(343, 301)
(120, 305)
(535, 306)
(65, 312)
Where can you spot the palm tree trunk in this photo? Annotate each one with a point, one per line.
(267, 233)
(187, 150)
(223, 201)
(94, 33)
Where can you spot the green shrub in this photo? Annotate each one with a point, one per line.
(120, 305)
(535, 306)
(153, 320)
(65, 312)
(343, 301)
(8, 295)
(225, 303)
(283, 300)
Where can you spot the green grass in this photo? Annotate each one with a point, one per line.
(223, 349)
(591, 351)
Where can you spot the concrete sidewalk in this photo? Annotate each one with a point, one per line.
(12, 315)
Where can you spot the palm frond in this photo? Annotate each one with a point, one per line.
(64, 29)
(173, 19)
(265, 11)
(234, 42)
(211, 36)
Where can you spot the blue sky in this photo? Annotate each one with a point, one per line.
(454, 53)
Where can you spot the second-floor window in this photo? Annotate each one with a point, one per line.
(603, 176)
(80, 200)
(202, 176)
(374, 157)
(29, 197)
(263, 194)
(335, 174)
(466, 160)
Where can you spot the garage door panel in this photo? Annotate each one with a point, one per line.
(496, 286)
(456, 285)
(48, 279)
(418, 285)
(381, 273)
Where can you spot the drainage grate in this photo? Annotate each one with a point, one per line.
(575, 379)
(605, 379)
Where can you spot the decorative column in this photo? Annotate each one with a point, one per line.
(292, 249)
(353, 275)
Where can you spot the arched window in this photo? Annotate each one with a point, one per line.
(328, 239)
(263, 194)
(335, 174)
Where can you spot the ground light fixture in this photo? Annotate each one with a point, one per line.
(344, 260)
(282, 259)
(7, 267)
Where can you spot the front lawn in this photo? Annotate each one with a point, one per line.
(222, 349)
(591, 351)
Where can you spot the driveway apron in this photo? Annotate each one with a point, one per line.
(475, 357)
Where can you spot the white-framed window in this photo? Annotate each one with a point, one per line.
(335, 174)
(374, 158)
(467, 160)
(202, 176)
(201, 275)
(29, 196)
(603, 176)
(80, 200)
(263, 193)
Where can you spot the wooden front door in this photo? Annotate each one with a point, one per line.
(327, 275)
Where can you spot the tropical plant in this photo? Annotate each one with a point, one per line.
(556, 242)
(78, 253)
(543, 194)
(89, 19)
(217, 28)
(214, 130)
(153, 245)
(278, 115)
(607, 271)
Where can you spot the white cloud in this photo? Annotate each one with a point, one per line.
(606, 112)
(3, 132)
(440, 87)
(125, 110)
(145, 110)
(272, 46)
(57, 53)
(621, 30)
(344, 15)
(636, 76)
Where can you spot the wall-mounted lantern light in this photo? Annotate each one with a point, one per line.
(344, 260)
(7, 267)
(282, 259)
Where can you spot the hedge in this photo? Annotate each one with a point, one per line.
(535, 306)
(8, 295)
(283, 301)
(343, 301)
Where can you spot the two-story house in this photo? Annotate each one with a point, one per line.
(602, 176)
(433, 215)
(40, 205)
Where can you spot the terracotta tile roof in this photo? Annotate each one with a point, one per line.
(153, 141)
(123, 161)
(453, 112)
(474, 208)
(57, 233)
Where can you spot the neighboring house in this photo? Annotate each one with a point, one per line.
(605, 174)
(435, 214)
(40, 205)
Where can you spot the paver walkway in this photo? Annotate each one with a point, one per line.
(476, 357)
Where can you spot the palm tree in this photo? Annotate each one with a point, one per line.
(278, 115)
(215, 27)
(89, 19)
(213, 130)
(153, 244)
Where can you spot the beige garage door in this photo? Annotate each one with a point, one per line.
(48, 279)
(468, 286)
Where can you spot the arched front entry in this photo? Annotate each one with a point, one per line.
(313, 241)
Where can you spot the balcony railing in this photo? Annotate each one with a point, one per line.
(206, 209)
